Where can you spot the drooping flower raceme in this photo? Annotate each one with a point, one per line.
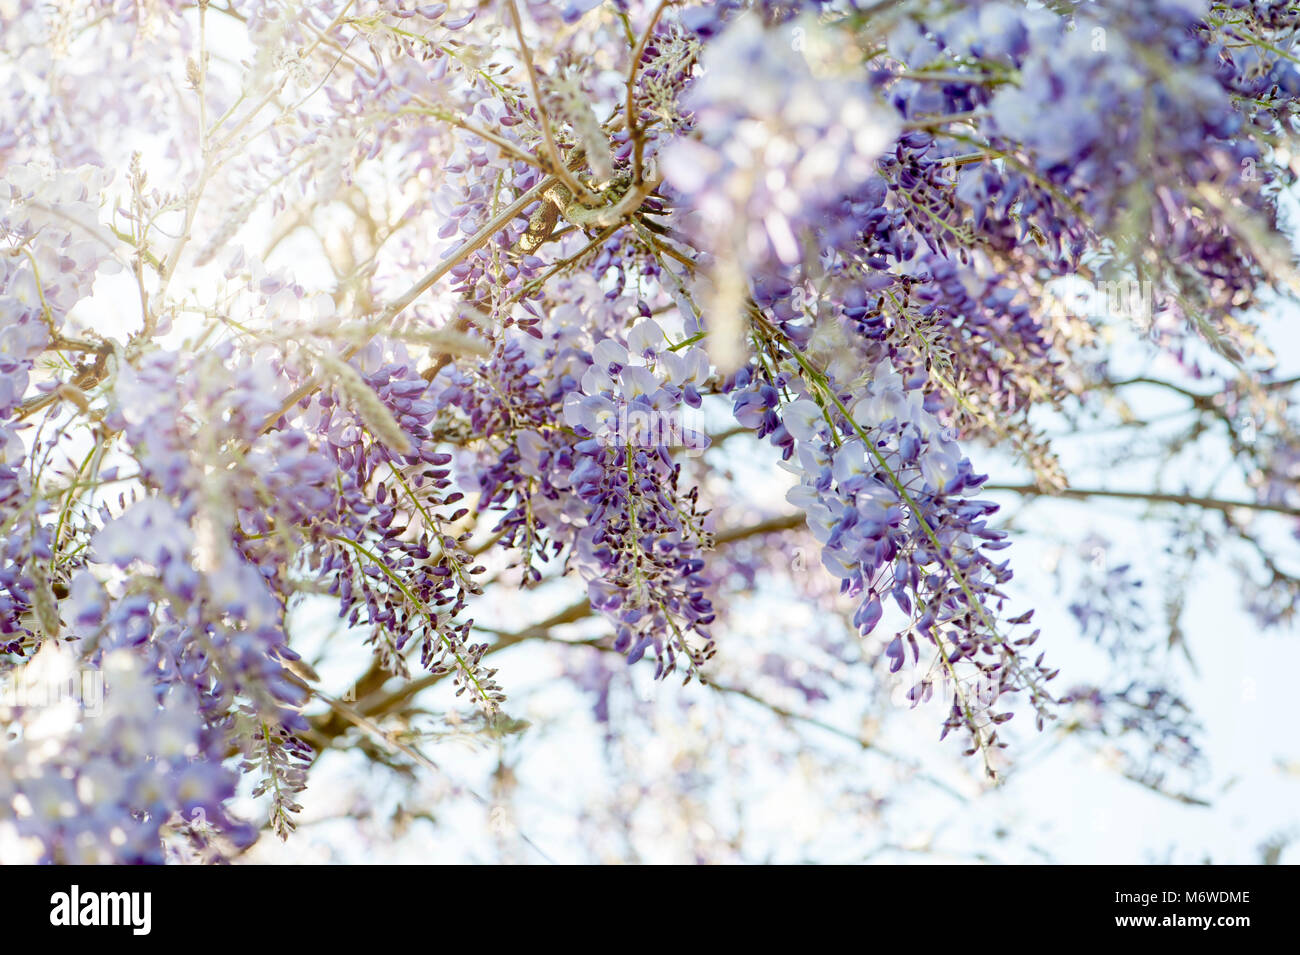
(640, 550)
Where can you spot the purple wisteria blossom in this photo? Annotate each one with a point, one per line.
(385, 338)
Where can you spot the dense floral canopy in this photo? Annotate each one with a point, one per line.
(412, 308)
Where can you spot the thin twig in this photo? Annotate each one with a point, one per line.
(1156, 497)
(633, 127)
(558, 169)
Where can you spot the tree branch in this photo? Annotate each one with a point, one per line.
(1156, 497)
(430, 278)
